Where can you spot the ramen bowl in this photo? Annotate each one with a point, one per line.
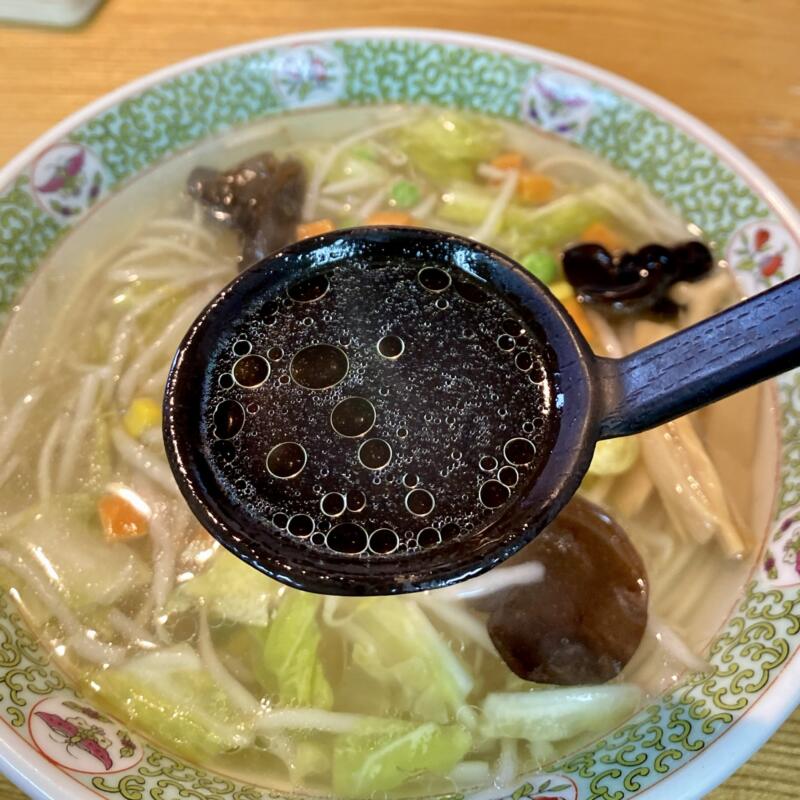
(56, 743)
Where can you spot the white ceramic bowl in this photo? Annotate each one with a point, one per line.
(697, 734)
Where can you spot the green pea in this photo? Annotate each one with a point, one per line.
(541, 264)
(405, 194)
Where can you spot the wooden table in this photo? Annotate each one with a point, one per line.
(733, 63)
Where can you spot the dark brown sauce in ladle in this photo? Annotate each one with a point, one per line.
(391, 371)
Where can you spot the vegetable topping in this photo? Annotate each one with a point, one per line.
(633, 282)
(262, 198)
(583, 622)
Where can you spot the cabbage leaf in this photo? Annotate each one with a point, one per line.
(290, 665)
(396, 644)
(554, 714)
(380, 756)
(231, 590)
(449, 145)
(169, 691)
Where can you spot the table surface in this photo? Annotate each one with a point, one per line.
(735, 64)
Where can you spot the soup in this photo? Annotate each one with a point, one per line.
(362, 429)
(446, 690)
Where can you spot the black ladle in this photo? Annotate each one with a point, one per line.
(599, 398)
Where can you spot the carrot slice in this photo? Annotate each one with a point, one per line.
(534, 188)
(123, 514)
(390, 218)
(599, 233)
(510, 160)
(315, 228)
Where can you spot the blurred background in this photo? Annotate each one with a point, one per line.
(732, 63)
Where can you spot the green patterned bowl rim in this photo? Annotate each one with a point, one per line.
(693, 737)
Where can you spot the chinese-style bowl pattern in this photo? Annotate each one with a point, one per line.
(55, 745)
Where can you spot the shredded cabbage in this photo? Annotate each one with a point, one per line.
(555, 714)
(170, 692)
(354, 165)
(290, 665)
(382, 756)
(556, 223)
(396, 645)
(229, 589)
(448, 145)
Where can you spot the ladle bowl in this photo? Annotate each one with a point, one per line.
(593, 398)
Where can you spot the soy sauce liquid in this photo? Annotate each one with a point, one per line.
(378, 409)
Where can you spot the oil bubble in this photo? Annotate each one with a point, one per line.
(519, 451)
(242, 347)
(512, 327)
(471, 293)
(309, 289)
(383, 541)
(523, 361)
(286, 460)
(269, 308)
(428, 537)
(333, 504)
(280, 520)
(420, 502)
(508, 476)
(391, 347)
(449, 531)
(356, 500)
(251, 371)
(410, 480)
(505, 342)
(433, 279)
(319, 366)
(353, 417)
(488, 463)
(348, 538)
(301, 526)
(493, 494)
(375, 453)
(228, 419)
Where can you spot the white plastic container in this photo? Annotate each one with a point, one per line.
(58, 13)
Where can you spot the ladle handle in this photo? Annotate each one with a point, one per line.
(747, 343)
